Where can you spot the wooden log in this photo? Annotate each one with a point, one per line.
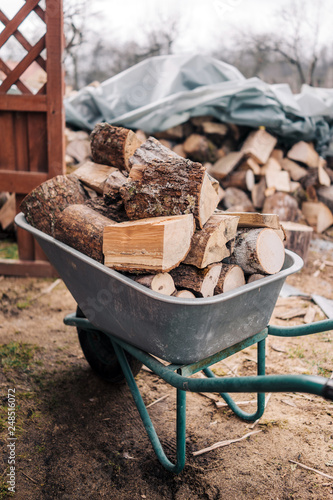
(225, 165)
(255, 277)
(258, 193)
(298, 237)
(179, 150)
(201, 282)
(184, 294)
(166, 184)
(114, 211)
(250, 163)
(209, 244)
(44, 204)
(231, 277)
(172, 134)
(151, 245)
(113, 145)
(8, 212)
(318, 215)
(198, 148)
(277, 154)
(296, 172)
(325, 195)
(112, 185)
(79, 149)
(279, 180)
(282, 204)
(256, 220)
(241, 179)
(234, 197)
(305, 153)
(94, 175)
(78, 220)
(258, 250)
(259, 145)
(161, 283)
(272, 165)
(216, 132)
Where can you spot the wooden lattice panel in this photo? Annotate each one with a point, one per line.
(31, 122)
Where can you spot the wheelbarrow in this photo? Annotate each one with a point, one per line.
(122, 325)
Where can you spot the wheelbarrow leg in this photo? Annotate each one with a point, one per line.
(181, 417)
(260, 396)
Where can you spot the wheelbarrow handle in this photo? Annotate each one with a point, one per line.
(300, 330)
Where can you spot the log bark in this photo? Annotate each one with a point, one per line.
(152, 245)
(201, 282)
(209, 244)
(166, 185)
(112, 185)
(231, 277)
(78, 220)
(259, 145)
(114, 211)
(94, 175)
(161, 283)
(113, 145)
(298, 238)
(282, 204)
(43, 205)
(258, 251)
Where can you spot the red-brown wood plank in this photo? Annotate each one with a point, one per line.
(37, 142)
(23, 103)
(21, 182)
(55, 88)
(21, 141)
(32, 268)
(7, 148)
(17, 20)
(20, 85)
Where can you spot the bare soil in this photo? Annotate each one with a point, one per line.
(78, 436)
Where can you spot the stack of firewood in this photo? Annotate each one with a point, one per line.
(145, 211)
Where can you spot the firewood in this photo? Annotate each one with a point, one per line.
(242, 179)
(259, 145)
(325, 195)
(250, 163)
(141, 135)
(296, 172)
(256, 220)
(272, 165)
(173, 133)
(78, 220)
(277, 154)
(231, 277)
(113, 145)
(94, 175)
(197, 121)
(282, 204)
(166, 143)
(201, 282)
(258, 250)
(44, 204)
(8, 212)
(225, 165)
(111, 186)
(298, 237)
(258, 193)
(156, 244)
(305, 153)
(318, 215)
(209, 244)
(323, 177)
(255, 277)
(179, 150)
(114, 211)
(216, 132)
(79, 150)
(184, 294)
(234, 197)
(199, 148)
(161, 283)
(168, 185)
(279, 180)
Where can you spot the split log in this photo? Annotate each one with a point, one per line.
(259, 145)
(179, 150)
(172, 134)
(255, 277)
(256, 220)
(272, 165)
(78, 220)
(184, 294)
(161, 283)
(258, 250)
(152, 245)
(279, 180)
(94, 175)
(318, 215)
(282, 204)
(277, 154)
(199, 148)
(201, 282)
(298, 237)
(209, 244)
(167, 185)
(258, 193)
(241, 179)
(216, 132)
(79, 149)
(8, 212)
(250, 163)
(225, 165)
(113, 145)
(231, 277)
(296, 172)
(305, 153)
(112, 186)
(44, 204)
(236, 197)
(114, 211)
(325, 195)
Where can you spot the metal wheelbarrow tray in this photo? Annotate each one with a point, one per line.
(191, 334)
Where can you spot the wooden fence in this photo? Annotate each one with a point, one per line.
(31, 124)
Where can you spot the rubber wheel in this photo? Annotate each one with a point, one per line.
(98, 351)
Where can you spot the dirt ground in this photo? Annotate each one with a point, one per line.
(78, 436)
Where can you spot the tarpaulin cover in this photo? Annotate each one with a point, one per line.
(164, 91)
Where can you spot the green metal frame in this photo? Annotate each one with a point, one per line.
(179, 376)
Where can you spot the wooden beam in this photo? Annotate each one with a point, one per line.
(34, 103)
(17, 20)
(21, 182)
(31, 268)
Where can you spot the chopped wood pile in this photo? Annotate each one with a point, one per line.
(151, 214)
